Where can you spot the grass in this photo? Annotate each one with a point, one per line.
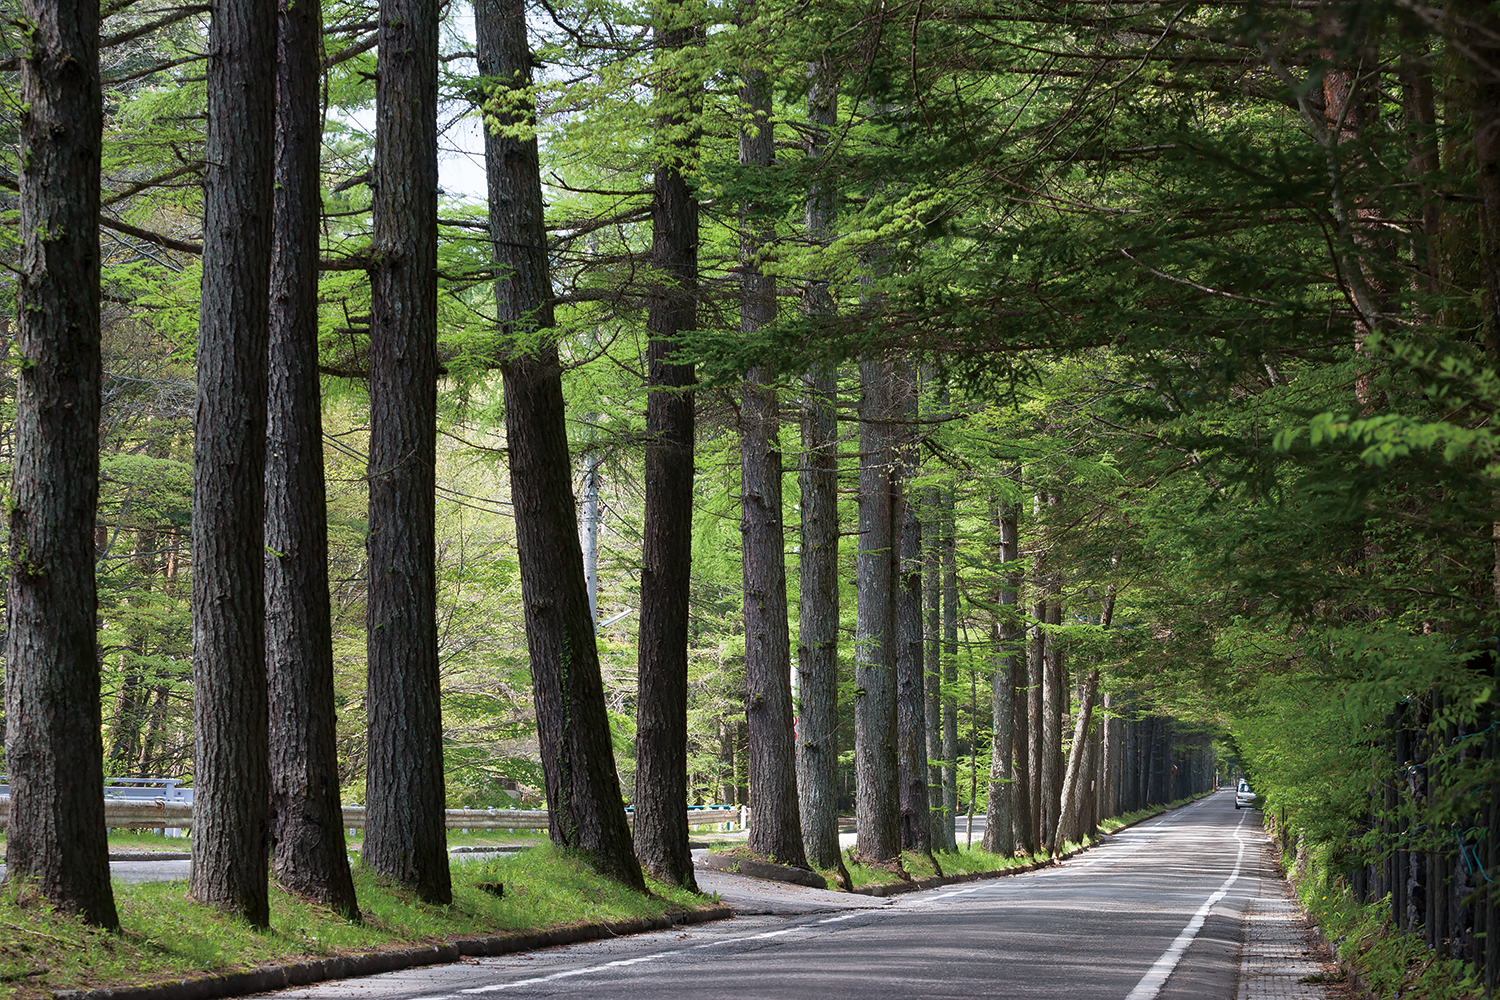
(164, 935)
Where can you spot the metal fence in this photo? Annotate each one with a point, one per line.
(135, 811)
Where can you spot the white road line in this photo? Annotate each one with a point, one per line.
(1156, 977)
(642, 958)
(847, 916)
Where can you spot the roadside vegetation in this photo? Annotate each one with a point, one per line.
(1391, 962)
(164, 935)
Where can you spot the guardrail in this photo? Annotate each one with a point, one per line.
(160, 813)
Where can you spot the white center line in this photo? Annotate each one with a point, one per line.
(1156, 977)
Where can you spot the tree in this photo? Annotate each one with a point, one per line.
(661, 839)
(405, 839)
(775, 818)
(53, 747)
(1005, 635)
(231, 776)
(818, 552)
(583, 788)
(876, 804)
(911, 709)
(307, 829)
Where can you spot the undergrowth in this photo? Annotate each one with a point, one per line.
(1392, 962)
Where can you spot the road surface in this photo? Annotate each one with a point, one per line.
(1153, 912)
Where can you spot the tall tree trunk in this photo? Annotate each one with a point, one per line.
(776, 822)
(1054, 696)
(877, 809)
(1070, 805)
(1035, 653)
(949, 522)
(817, 482)
(53, 747)
(578, 763)
(307, 832)
(231, 774)
(911, 712)
(405, 839)
(1006, 633)
(932, 670)
(1025, 832)
(661, 835)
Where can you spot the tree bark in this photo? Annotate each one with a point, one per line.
(661, 838)
(405, 839)
(231, 775)
(818, 559)
(307, 835)
(911, 710)
(776, 823)
(932, 672)
(578, 764)
(1070, 804)
(877, 808)
(950, 658)
(53, 747)
(1006, 634)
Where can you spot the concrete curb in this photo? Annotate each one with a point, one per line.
(280, 977)
(755, 868)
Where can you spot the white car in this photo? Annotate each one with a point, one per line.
(1243, 796)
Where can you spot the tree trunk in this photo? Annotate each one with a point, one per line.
(776, 822)
(405, 839)
(53, 747)
(1006, 634)
(877, 808)
(817, 482)
(1076, 774)
(911, 712)
(1036, 752)
(932, 671)
(1021, 739)
(231, 776)
(950, 661)
(307, 835)
(1054, 694)
(578, 764)
(1071, 801)
(661, 836)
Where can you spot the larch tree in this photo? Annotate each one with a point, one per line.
(999, 828)
(405, 839)
(818, 552)
(53, 749)
(307, 829)
(876, 803)
(948, 544)
(578, 765)
(661, 835)
(231, 775)
(775, 818)
(911, 708)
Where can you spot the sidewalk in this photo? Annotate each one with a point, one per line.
(1280, 948)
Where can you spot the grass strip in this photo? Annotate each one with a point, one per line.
(166, 936)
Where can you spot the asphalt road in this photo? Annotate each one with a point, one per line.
(1153, 912)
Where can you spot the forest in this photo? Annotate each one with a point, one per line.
(898, 409)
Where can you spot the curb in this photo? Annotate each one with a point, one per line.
(280, 977)
(767, 870)
(918, 885)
